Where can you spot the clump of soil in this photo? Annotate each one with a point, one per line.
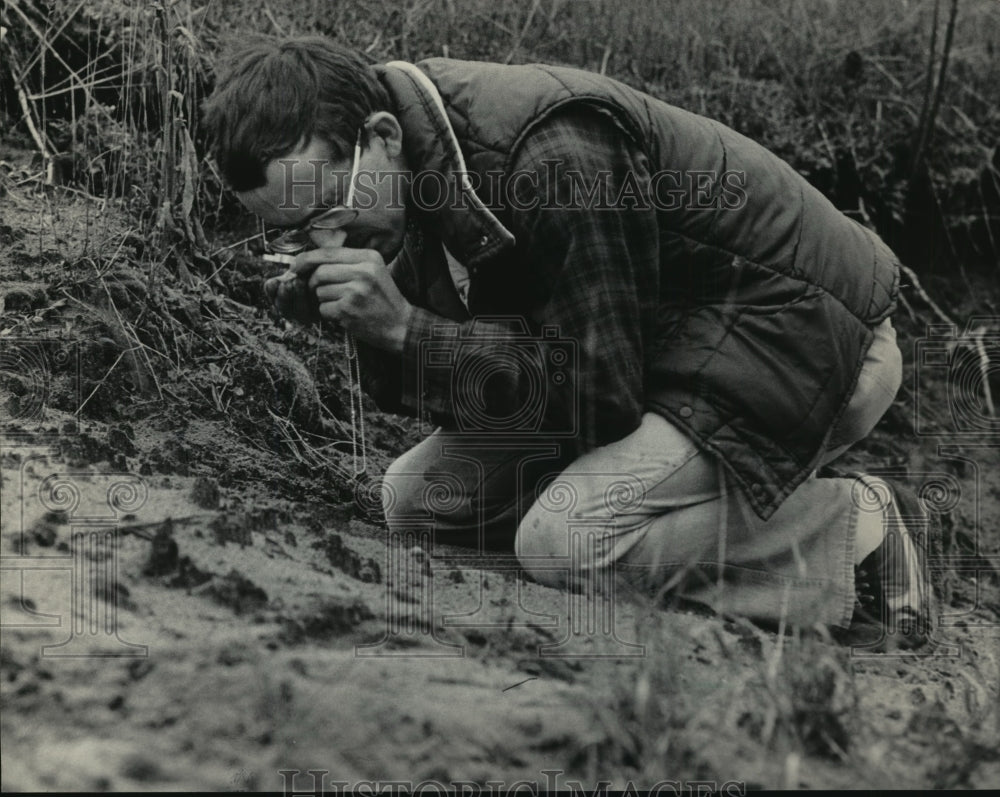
(230, 527)
(327, 618)
(349, 561)
(205, 492)
(237, 592)
(163, 553)
(188, 575)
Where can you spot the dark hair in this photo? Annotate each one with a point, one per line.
(272, 94)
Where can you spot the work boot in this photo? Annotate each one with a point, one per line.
(893, 590)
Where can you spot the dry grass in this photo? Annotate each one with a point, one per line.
(885, 106)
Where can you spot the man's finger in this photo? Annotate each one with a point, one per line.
(295, 302)
(333, 254)
(336, 273)
(332, 311)
(331, 292)
(300, 269)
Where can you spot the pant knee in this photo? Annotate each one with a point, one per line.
(537, 535)
(402, 489)
(557, 553)
(413, 488)
(540, 550)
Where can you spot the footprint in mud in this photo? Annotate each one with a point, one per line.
(238, 526)
(163, 554)
(327, 617)
(189, 575)
(231, 528)
(45, 532)
(238, 593)
(345, 559)
(84, 449)
(515, 643)
(205, 493)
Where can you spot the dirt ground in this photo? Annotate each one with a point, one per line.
(192, 598)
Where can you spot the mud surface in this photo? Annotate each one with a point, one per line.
(192, 599)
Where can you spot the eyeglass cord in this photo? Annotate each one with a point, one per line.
(353, 364)
(359, 453)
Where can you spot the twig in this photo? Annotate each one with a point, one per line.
(524, 30)
(927, 129)
(47, 158)
(101, 381)
(487, 18)
(57, 33)
(222, 249)
(973, 338)
(37, 136)
(915, 284)
(138, 528)
(928, 78)
(47, 45)
(905, 304)
(96, 78)
(605, 58)
(270, 16)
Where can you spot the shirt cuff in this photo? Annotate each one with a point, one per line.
(427, 390)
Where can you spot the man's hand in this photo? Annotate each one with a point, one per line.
(354, 288)
(292, 299)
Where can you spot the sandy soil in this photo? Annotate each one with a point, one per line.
(191, 600)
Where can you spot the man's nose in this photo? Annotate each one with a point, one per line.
(336, 221)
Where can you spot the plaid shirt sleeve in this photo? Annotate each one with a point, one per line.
(594, 259)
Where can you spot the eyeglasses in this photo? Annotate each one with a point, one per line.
(291, 242)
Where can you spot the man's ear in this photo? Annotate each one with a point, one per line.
(386, 126)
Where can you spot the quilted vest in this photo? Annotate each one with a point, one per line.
(766, 309)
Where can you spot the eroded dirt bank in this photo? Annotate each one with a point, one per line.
(260, 622)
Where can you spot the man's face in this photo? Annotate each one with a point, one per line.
(305, 182)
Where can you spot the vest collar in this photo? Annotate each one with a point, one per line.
(467, 227)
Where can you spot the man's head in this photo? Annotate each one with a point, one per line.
(284, 120)
(272, 95)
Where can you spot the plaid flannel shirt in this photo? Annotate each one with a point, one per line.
(589, 269)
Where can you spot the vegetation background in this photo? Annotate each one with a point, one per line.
(891, 107)
(119, 242)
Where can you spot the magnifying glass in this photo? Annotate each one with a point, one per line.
(284, 248)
